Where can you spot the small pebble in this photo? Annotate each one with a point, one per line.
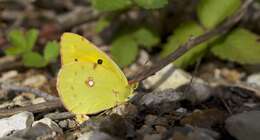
(152, 137)
(39, 131)
(197, 92)
(53, 125)
(150, 119)
(35, 81)
(160, 129)
(125, 109)
(63, 124)
(158, 97)
(254, 79)
(197, 118)
(8, 75)
(145, 129)
(96, 135)
(194, 133)
(181, 110)
(244, 126)
(72, 123)
(22, 100)
(38, 100)
(16, 122)
(7, 104)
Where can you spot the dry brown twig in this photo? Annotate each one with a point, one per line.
(41, 107)
(12, 87)
(222, 29)
(9, 62)
(76, 17)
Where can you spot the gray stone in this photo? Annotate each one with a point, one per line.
(155, 98)
(53, 125)
(194, 133)
(152, 137)
(71, 123)
(244, 126)
(11, 138)
(150, 119)
(145, 129)
(63, 124)
(96, 135)
(39, 131)
(16, 122)
(197, 92)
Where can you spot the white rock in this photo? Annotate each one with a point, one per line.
(38, 100)
(8, 75)
(168, 77)
(16, 122)
(35, 81)
(7, 104)
(254, 79)
(181, 110)
(53, 125)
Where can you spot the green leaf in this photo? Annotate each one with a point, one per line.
(33, 59)
(31, 38)
(151, 4)
(110, 5)
(146, 37)
(51, 51)
(13, 51)
(179, 37)
(124, 50)
(213, 12)
(102, 24)
(239, 46)
(17, 41)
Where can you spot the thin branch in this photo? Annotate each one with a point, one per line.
(9, 62)
(41, 107)
(60, 115)
(15, 88)
(192, 43)
(76, 17)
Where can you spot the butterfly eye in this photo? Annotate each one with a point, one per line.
(76, 60)
(99, 61)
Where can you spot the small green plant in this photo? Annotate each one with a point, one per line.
(125, 46)
(127, 42)
(23, 43)
(239, 45)
(113, 5)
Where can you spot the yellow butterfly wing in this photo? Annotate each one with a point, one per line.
(86, 90)
(75, 48)
(89, 81)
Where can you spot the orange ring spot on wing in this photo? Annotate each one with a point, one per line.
(90, 82)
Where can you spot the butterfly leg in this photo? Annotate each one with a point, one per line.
(80, 118)
(116, 95)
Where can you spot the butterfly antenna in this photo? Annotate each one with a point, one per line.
(187, 88)
(142, 65)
